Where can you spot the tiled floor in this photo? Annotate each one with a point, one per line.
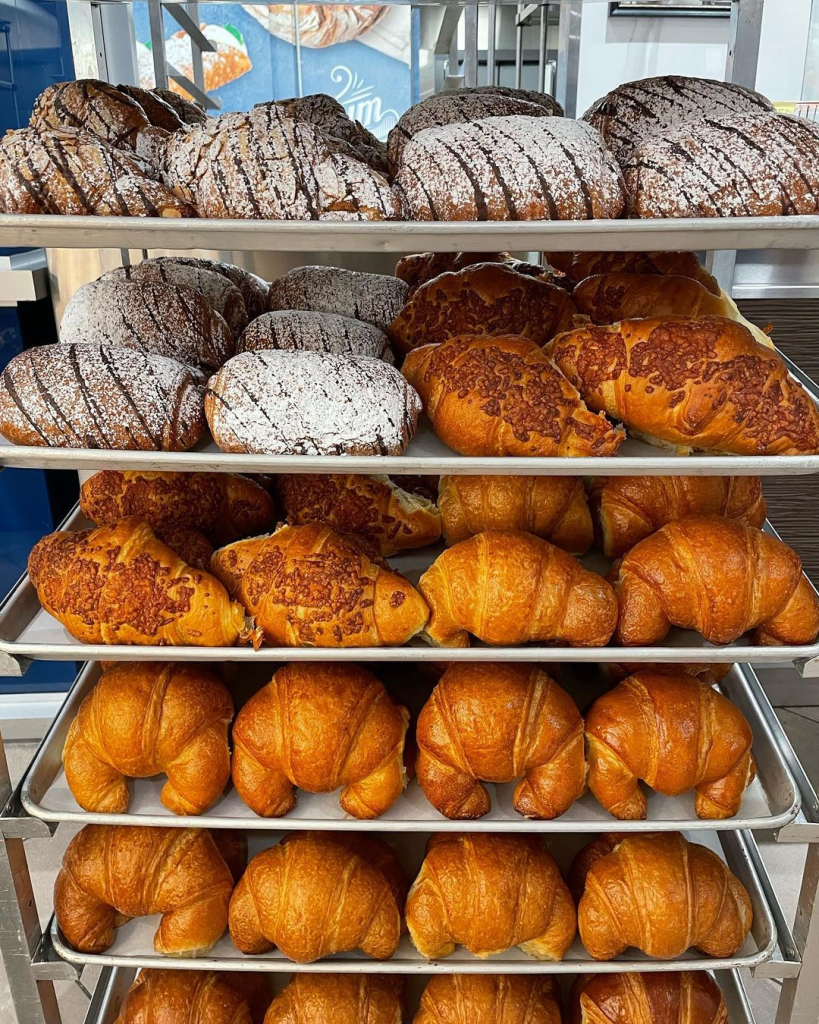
(784, 864)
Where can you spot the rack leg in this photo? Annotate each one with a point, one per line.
(799, 1002)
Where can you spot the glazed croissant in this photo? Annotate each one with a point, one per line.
(719, 578)
(338, 999)
(318, 727)
(489, 892)
(508, 588)
(662, 997)
(195, 997)
(120, 585)
(661, 894)
(309, 587)
(676, 734)
(372, 507)
(504, 396)
(496, 723)
(551, 507)
(576, 266)
(626, 509)
(145, 718)
(315, 894)
(111, 873)
(689, 383)
(224, 506)
(490, 999)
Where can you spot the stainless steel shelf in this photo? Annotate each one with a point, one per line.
(52, 231)
(772, 800)
(133, 944)
(28, 631)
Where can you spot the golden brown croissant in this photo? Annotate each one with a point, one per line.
(509, 588)
(489, 892)
(421, 267)
(609, 298)
(625, 509)
(120, 585)
(709, 673)
(318, 727)
(578, 265)
(504, 396)
(372, 507)
(145, 718)
(111, 873)
(192, 546)
(551, 507)
(674, 733)
(312, 895)
(661, 894)
(195, 997)
(688, 383)
(338, 999)
(309, 587)
(485, 299)
(717, 577)
(662, 997)
(496, 723)
(224, 506)
(490, 999)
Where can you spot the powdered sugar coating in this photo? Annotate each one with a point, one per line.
(755, 165)
(253, 288)
(374, 298)
(635, 110)
(511, 168)
(97, 396)
(309, 331)
(311, 403)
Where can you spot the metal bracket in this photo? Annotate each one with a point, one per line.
(786, 961)
(13, 666)
(48, 965)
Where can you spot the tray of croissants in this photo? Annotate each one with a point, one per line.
(599, 363)
(334, 746)
(195, 566)
(688, 997)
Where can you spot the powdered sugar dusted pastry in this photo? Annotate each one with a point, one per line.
(253, 288)
(543, 99)
(328, 114)
(755, 165)
(374, 298)
(188, 111)
(310, 403)
(73, 172)
(635, 110)
(215, 289)
(456, 107)
(96, 396)
(152, 317)
(309, 331)
(510, 168)
(264, 165)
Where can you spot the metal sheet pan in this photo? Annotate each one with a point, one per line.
(133, 944)
(115, 982)
(425, 454)
(26, 630)
(771, 801)
(801, 232)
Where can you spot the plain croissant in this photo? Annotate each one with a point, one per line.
(676, 734)
(338, 999)
(308, 586)
(111, 873)
(315, 894)
(661, 997)
(661, 894)
(626, 509)
(496, 723)
(318, 727)
(195, 997)
(490, 999)
(145, 718)
(719, 578)
(489, 892)
(510, 588)
(551, 507)
(691, 383)
(120, 585)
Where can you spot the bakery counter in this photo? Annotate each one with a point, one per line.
(770, 802)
